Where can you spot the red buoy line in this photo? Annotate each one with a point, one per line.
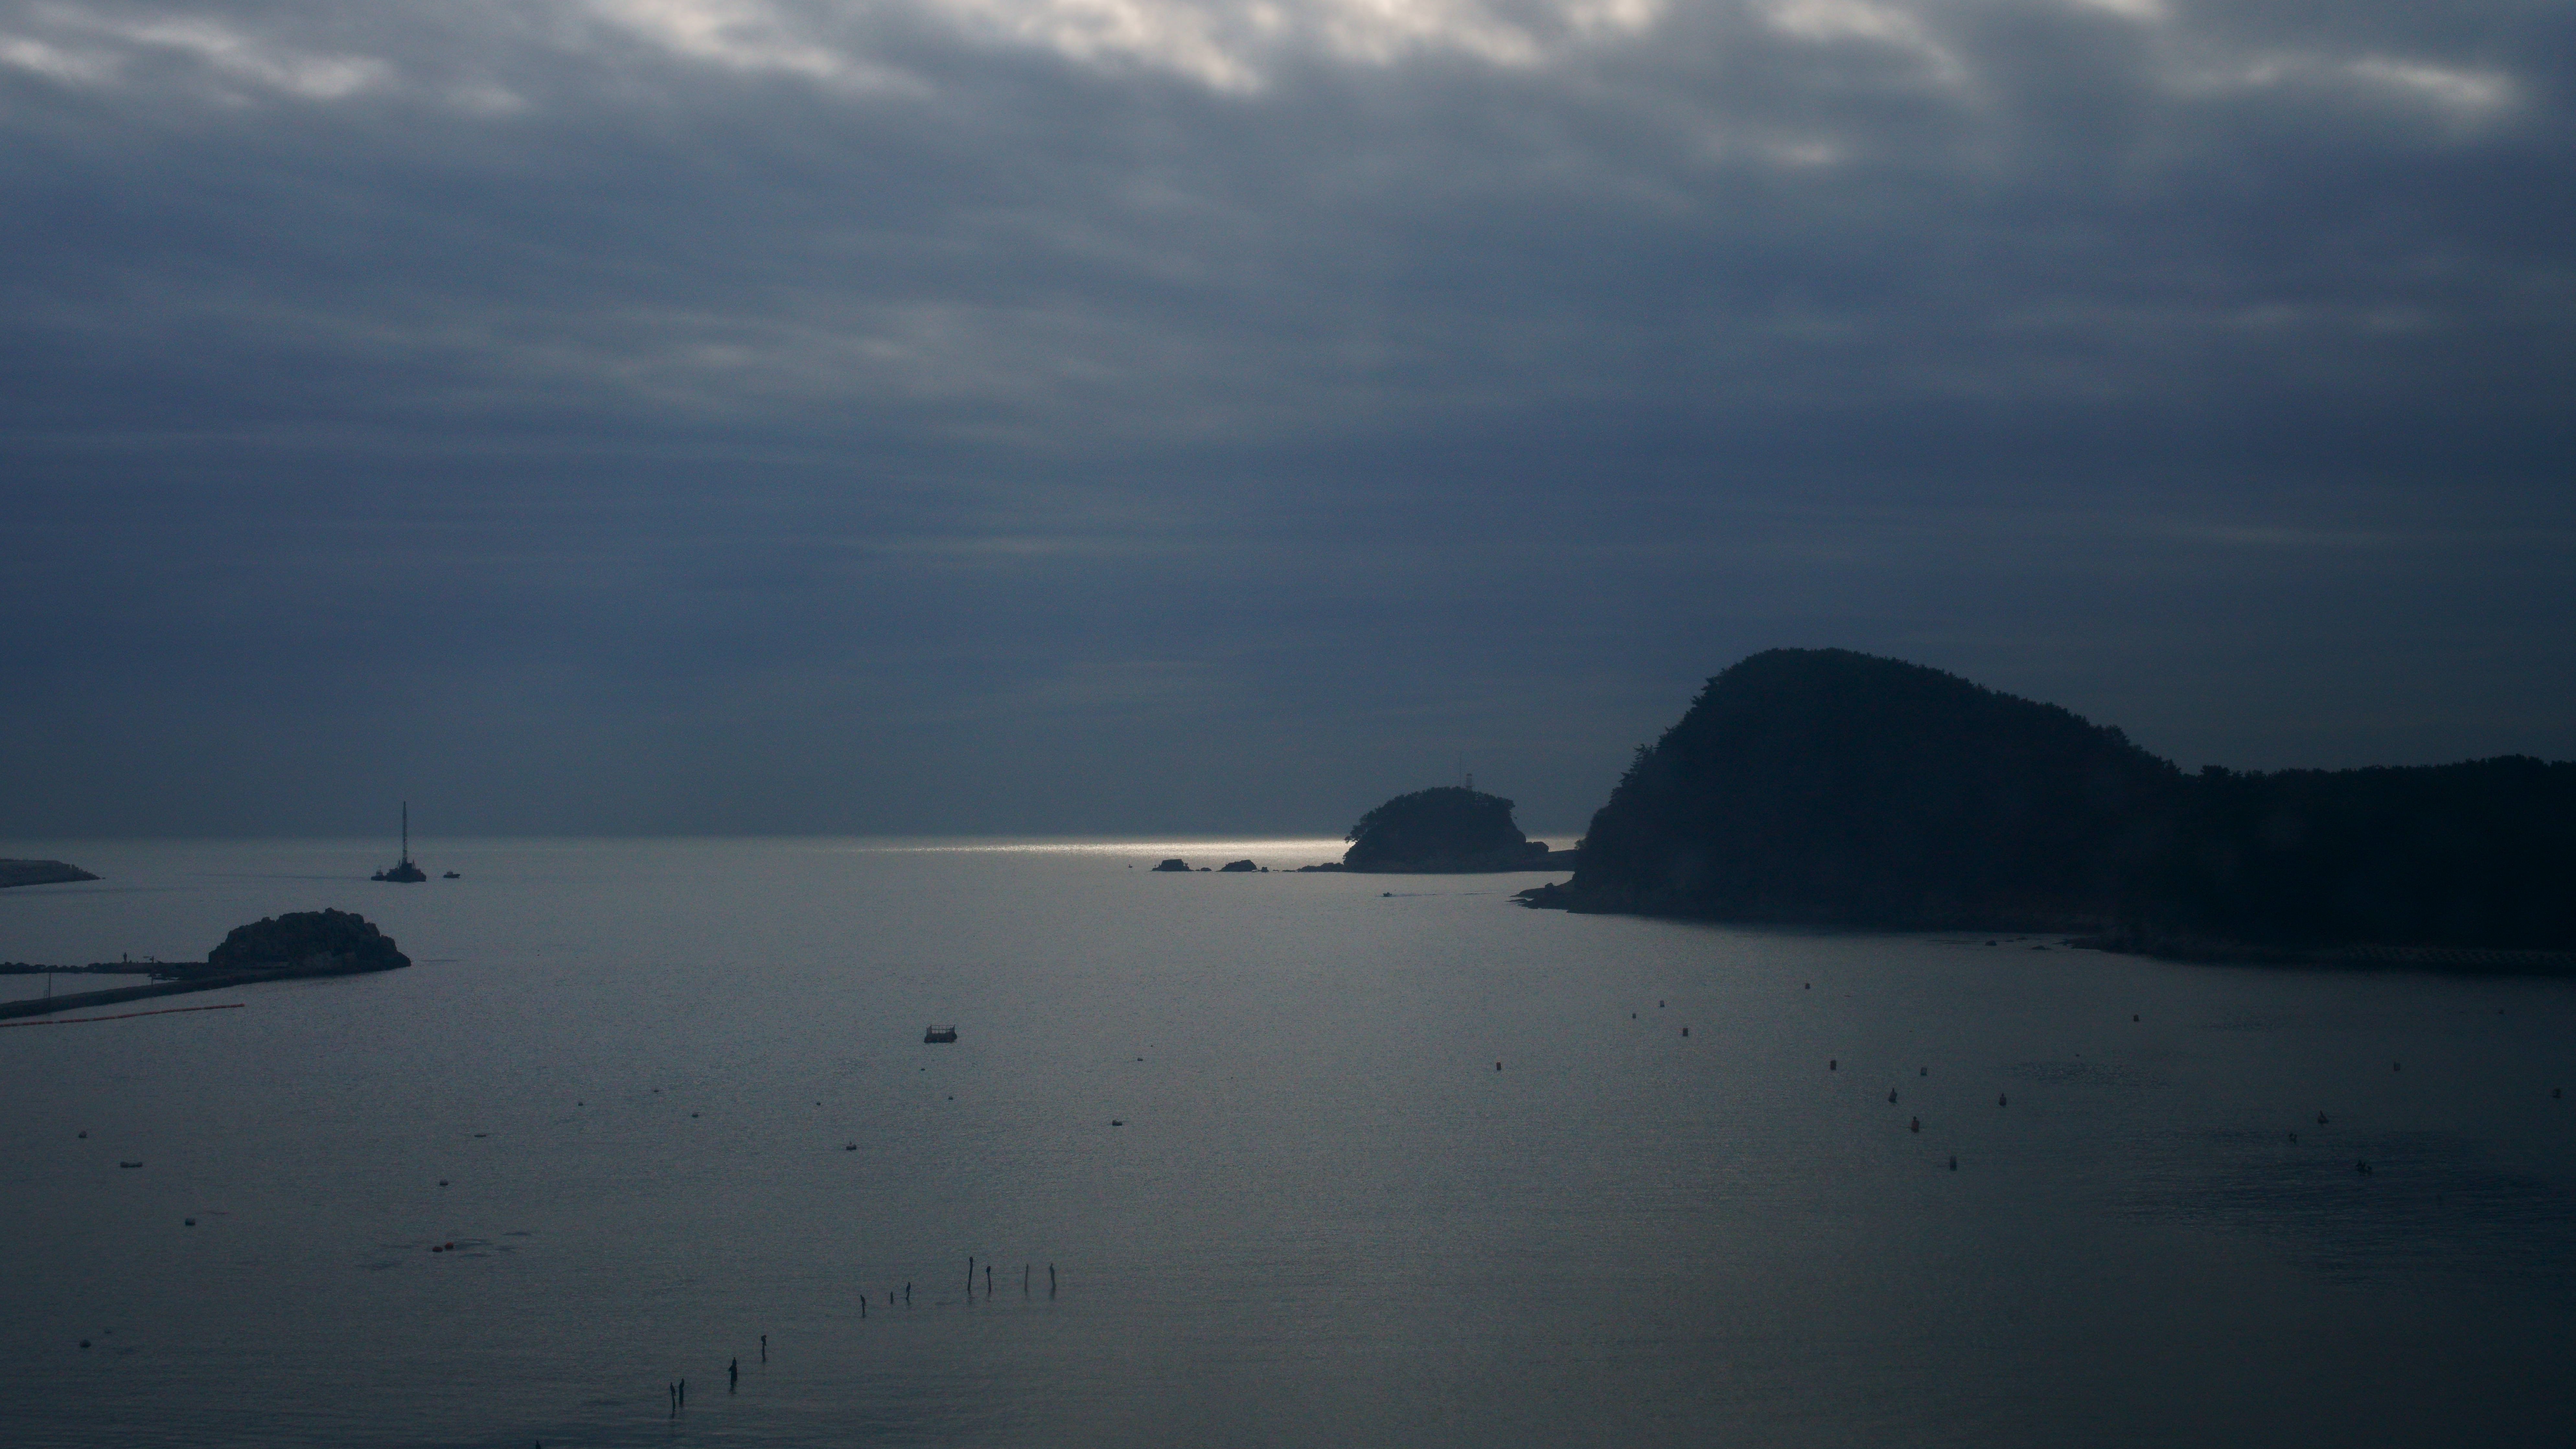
(124, 1016)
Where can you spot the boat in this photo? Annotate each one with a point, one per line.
(451, 875)
(403, 870)
(940, 1034)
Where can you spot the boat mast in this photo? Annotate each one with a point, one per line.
(406, 855)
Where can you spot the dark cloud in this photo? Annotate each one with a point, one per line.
(1013, 415)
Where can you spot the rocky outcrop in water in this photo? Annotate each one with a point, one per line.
(305, 941)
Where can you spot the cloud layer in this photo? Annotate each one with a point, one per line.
(1130, 414)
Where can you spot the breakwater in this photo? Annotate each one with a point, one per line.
(75, 1000)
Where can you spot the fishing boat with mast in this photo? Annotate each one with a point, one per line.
(403, 870)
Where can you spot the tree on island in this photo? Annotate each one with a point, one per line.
(1447, 827)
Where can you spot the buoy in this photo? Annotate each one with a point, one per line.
(1916, 1125)
(442, 1182)
(1833, 1064)
(2000, 1099)
(2553, 1093)
(1498, 1066)
(1891, 1094)
(1685, 1031)
(2321, 1119)
(1927, 1071)
(2294, 1137)
(1954, 1164)
(2133, 1018)
(2362, 1167)
(188, 1222)
(2397, 1066)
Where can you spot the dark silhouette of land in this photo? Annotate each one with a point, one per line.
(1445, 830)
(299, 943)
(1832, 787)
(39, 872)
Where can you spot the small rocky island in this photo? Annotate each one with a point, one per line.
(1445, 830)
(276, 948)
(39, 872)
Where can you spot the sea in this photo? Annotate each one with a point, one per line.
(1241, 1159)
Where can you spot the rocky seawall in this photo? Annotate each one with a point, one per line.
(77, 1000)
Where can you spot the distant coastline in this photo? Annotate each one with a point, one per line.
(39, 872)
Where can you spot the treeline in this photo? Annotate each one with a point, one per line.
(1830, 786)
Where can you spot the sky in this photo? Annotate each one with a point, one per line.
(1147, 416)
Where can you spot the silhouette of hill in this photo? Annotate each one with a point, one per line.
(1833, 787)
(39, 872)
(1448, 828)
(2478, 854)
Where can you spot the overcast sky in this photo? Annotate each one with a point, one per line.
(1156, 416)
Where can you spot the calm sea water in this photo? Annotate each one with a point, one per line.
(668, 1097)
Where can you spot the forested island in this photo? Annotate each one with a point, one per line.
(1832, 787)
(1445, 830)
